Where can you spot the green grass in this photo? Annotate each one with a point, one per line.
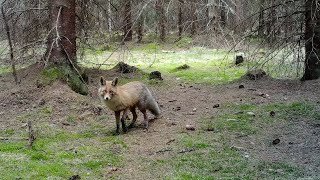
(213, 155)
(59, 155)
(5, 69)
(209, 66)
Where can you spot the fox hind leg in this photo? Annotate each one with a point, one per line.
(135, 116)
(145, 117)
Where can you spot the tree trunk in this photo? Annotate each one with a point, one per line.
(180, 15)
(271, 29)
(109, 16)
(312, 40)
(162, 19)
(239, 16)
(62, 40)
(193, 18)
(140, 24)
(223, 16)
(261, 20)
(61, 49)
(7, 28)
(127, 25)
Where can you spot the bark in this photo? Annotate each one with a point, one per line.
(180, 15)
(312, 40)
(239, 16)
(140, 28)
(162, 19)
(61, 49)
(271, 29)
(109, 16)
(223, 16)
(127, 24)
(62, 39)
(261, 20)
(193, 18)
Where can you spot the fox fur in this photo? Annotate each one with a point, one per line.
(128, 97)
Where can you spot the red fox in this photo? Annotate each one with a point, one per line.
(128, 97)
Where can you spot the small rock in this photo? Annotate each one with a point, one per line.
(241, 86)
(251, 113)
(66, 124)
(210, 129)
(276, 141)
(194, 109)
(173, 123)
(155, 75)
(272, 113)
(190, 113)
(216, 105)
(41, 102)
(177, 108)
(263, 95)
(75, 177)
(114, 169)
(190, 127)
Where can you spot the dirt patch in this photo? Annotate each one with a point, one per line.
(181, 104)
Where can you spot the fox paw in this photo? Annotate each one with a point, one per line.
(116, 133)
(131, 126)
(125, 129)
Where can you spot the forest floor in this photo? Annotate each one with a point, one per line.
(270, 129)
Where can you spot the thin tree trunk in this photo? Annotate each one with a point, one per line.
(223, 16)
(312, 40)
(180, 15)
(109, 16)
(127, 26)
(239, 16)
(140, 28)
(261, 20)
(13, 65)
(162, 19)
(193, 18)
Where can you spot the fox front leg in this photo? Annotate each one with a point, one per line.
(117, 114)
(123, 120)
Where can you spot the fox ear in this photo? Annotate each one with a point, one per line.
(102, 81)
(114, 82)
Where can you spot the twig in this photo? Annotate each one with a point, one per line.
(187, 150)
(163, 150)
(31, 134)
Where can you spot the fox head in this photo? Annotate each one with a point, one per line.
(108, 89)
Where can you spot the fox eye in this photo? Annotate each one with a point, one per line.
(111, 92)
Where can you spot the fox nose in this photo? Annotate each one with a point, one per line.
(106, 98)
